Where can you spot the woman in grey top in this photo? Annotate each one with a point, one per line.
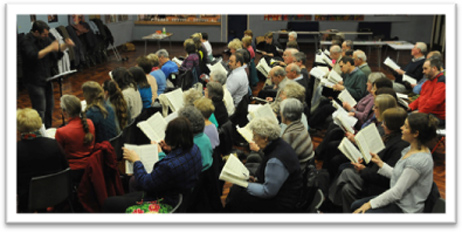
(412, 177)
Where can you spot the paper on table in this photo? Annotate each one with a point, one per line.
(390, 63)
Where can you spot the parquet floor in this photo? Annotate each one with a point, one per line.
(99, 73)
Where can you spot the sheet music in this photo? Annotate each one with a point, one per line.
(334, 77)
(353, 153)
(369, 140)
(158, 124)
(345, 96)
(171, 116)
(326, 59)
(390, 63)
(317, 72)
(178, 61)
(264, 111)
(409, 79)
(235, 168)
(327, 52)
(217, 67)
(401, 95)
(246, 133)
(327, 83)
(263, 67)
(148, 154)
(175, 98)
(252, 107)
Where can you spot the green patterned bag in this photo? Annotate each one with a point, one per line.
(149, 207)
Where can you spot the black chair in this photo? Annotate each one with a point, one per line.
(432, 198)
(440, 206)
(117, 143)
(50, 190)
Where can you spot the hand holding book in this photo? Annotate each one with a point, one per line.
(130, 155)
(376, 159)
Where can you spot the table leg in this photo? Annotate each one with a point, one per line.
(145, 46)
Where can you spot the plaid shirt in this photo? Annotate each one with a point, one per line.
(178, 171)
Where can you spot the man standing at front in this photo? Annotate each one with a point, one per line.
(38, 52)
(432, 99)
(237, 83)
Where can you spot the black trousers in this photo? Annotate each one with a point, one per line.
(43, 101)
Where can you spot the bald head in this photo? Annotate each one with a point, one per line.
(277, 74)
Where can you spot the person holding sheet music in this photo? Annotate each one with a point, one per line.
(220, 77)
(205, 106)
(38, 52)
(278, 180)
(335, 55)
(333, 158)
(269, 50)
(362, 180)
(148, 66)
(432, 99)
(77, 138)
(214, 91)
(166, 65)
(143, 86)
(418, 86)
(360, 59)
(279, 79)
(413, 69)
(237, 82)
(176, 173)
(36, 155)
(411, 178)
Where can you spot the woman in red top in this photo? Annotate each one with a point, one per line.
(77, 137)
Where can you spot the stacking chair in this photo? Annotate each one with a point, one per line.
(117, 143)
(440, 206)
(50, 190)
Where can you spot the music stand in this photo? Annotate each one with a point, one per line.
(59, 78)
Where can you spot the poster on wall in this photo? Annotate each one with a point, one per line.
(52, 18)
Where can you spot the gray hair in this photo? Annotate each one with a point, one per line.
(265, 127)
(279, 71)
(219, 76)
(293, 33)
(335, 49)
(375, 76)
(294, 67)
(215, 91)
(292, 109)
(300, 56)
(292, 51)
(294, 90)
(361, 55)
(191, 95)
(349, 43)
(194, 116)
(162, 53)
(422, 46)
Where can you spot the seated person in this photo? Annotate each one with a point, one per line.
(418, 86)
(249, 33)
(411, 178)
(101, 114)
(166, 65)
(77, 137)
(269, 50)
(200, 138)
(360, 59)
(207, 46)
(176, 173)
(158, 74)
(114, 98)
(143, 86)
(205, 106)
(363, 180)
(36, 155)
(127, 84)
(412, 69)
(190, 96)
(278, 179)
(220, 77)
(346, 45)
(214, 91)
(247, 44)
(147, 66)
(292, 40)
(432, 99)
(237, 82)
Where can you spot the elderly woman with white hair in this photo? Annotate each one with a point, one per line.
(278, 179)
(295, 133)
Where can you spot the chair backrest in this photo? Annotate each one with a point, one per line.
(180, 202)
(440, 206)
(49, 190)
(117, 143)
(432, 198)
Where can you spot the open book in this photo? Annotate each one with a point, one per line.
(368, 140)
(246, 133)
(345, 96)
(178, 61)
(263, 67)
(262, 111)
(154, 127)
(390, 63)
(148, 156)
(409, 79)
(334, 77)
(345, 122)
(175, 99)
(318, 72)
(217, 67)
(349, 150)
(235, 172)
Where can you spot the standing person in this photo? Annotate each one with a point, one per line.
(38, 52)
(207, 45)
(100, 113)
(77, 138)
(36, 155)
(412, 177)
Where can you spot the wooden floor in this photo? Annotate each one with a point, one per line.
(99, 73)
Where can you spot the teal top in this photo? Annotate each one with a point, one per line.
(213, 120)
